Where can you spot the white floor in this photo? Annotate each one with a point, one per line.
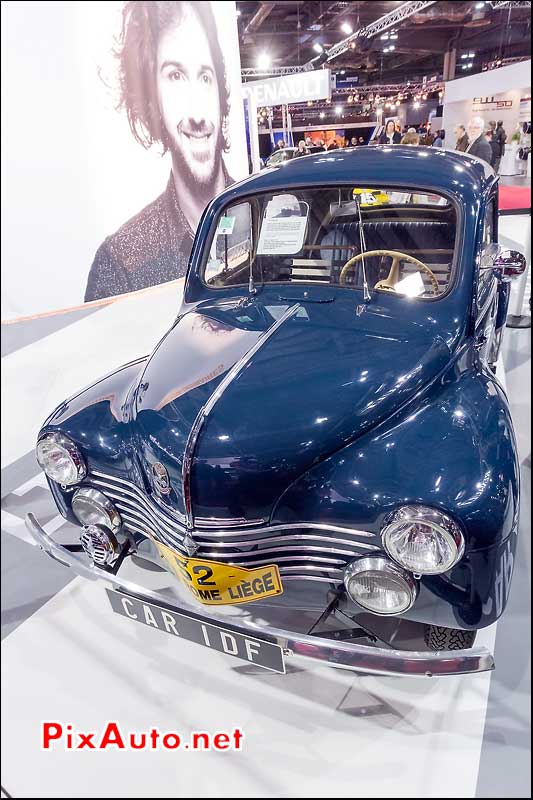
(311, 733)
(307, 734)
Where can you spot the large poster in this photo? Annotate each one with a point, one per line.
(120, 121)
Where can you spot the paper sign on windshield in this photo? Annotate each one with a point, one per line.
(283, 230)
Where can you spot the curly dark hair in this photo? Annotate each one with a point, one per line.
(142, 26)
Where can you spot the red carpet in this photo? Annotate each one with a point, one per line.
(514, 197)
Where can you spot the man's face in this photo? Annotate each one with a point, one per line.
(189, 99)
(474, 131)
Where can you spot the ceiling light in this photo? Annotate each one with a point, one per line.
(317, 47)
(346, 28)
(263, 62)
(424, 97)
(385, 49)
(385, 36)
(480, 5)
(309, 102)
(394, 35)
(416, 104)
(322, 114)
(397, 103)
(238, 12)
(350, 98)
(391, 47)
(465, 55)
(352, 45)
(338, 110)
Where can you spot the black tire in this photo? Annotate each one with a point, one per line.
(439, 638)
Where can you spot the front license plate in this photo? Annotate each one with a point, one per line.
(217, 584)
(254, 651)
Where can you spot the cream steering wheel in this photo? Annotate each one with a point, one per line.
(394, 275)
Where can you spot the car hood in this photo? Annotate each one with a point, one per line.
(304, 388)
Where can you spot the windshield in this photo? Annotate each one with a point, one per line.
(394, 241)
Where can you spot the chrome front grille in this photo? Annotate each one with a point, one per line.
(303, 551)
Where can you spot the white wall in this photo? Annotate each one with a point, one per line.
(498, 87)
(71, 170)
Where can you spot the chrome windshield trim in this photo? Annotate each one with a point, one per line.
(204, 412)
(344, 655)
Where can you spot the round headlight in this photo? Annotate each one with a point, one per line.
(379, 586)
(91, 507)
(60, 459)
(423, 540)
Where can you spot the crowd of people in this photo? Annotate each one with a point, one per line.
(472, 138)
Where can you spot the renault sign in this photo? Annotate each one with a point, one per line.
(288, 89)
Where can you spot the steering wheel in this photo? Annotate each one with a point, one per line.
(394, 275)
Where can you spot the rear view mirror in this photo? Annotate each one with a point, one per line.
(510, 263)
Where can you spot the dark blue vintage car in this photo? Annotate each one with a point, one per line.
(318, 453)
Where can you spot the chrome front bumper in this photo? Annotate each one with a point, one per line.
(357, 657)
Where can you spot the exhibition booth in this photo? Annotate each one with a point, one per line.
(499, 94)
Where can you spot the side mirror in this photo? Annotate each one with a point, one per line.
(510, 264)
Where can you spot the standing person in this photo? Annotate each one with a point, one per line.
(302, 149)
(411, 137)
(479, 145)
(438, 141)
(390, 135)
(360, 141)
(501, 137)
(353, 141)
(174, 88)
(280, 145)
(461, 138)
(427, 137)
(494, 146)
(333, 145)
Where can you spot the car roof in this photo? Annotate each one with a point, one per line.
(435, 169)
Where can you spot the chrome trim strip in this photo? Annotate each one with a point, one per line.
(236, 559)
(204, 412)
(285, 544)
(319, 526)
(347, 655)
(215, 522)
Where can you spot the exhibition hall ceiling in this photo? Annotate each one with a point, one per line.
(292, 32)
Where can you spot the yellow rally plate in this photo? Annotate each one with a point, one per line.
(218, 584)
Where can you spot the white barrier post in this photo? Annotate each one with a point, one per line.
(515, 318)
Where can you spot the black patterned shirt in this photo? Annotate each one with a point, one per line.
(153, 247)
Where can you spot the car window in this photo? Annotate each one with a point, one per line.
(398, 241)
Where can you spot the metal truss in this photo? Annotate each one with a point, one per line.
(509, 4)
(389, 20)
(271, 72)
(413, 87)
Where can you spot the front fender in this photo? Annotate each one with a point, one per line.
(453, 449)
(96, 419)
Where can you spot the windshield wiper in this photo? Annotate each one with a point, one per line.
(367, 297)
